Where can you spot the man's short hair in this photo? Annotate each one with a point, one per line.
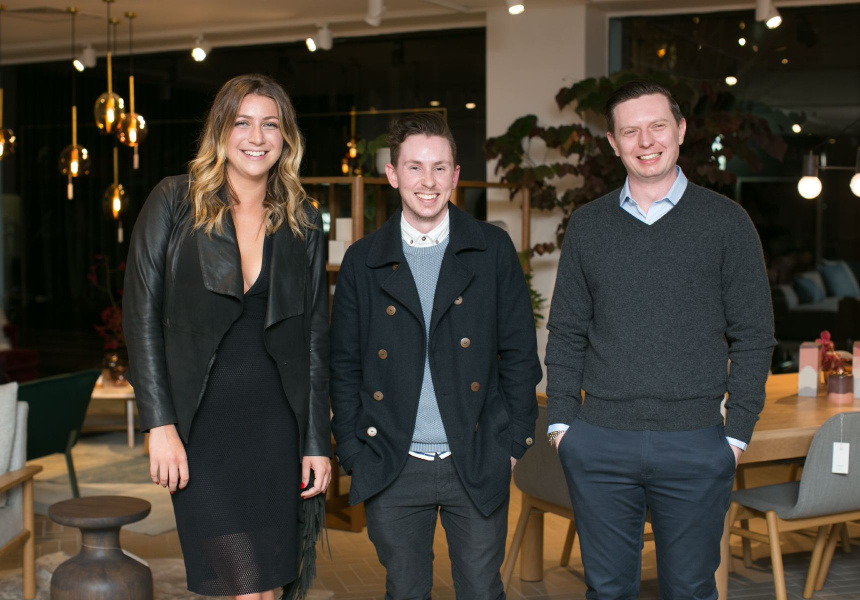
(423, 123)
(636, 89)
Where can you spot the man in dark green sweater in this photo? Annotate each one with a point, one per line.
(661, 285)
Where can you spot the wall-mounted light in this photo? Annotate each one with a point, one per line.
(201, 49)
(86, 59)
(809, 185)
(515, 7)
(322, 40)
(375, 11)
(765, 11)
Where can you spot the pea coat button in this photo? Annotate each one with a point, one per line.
(390, 310)
(371, 431)
(465, 342)
(394, 266)
(475, 386)
(377, 396)
(383, 354)
(529, 441)
(459, 300)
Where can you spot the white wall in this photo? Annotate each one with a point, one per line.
(529, 58)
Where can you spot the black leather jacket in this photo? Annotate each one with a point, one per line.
(183, 291)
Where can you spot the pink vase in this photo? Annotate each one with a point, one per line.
(840, 389)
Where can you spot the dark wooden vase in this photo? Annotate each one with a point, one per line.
(101, 571)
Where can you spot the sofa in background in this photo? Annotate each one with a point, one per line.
(827, 298)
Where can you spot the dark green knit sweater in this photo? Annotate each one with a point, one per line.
(645, 317)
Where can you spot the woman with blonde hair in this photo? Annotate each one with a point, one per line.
(225, 314)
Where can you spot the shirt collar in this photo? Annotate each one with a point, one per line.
(416, 239)
(673, 195)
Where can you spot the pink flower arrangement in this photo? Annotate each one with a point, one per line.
(830, 359)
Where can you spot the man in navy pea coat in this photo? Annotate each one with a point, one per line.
(434, 368)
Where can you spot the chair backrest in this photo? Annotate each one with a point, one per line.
(821, 491)
(57, 408)
(538, 472)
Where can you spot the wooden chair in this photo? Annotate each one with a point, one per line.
(16, 516)
(540, 478)
(57, 409)
(820, 499)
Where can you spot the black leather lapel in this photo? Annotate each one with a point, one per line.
(288, 277)
(220, 262)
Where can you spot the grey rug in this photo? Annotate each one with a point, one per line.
(168, 575)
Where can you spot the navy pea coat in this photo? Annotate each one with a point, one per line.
(483, 358)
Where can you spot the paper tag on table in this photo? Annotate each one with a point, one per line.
(840, 458)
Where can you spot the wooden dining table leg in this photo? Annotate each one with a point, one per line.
(722, 574)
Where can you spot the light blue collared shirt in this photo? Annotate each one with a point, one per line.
(656, 211)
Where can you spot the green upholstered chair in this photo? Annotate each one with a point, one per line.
(57, 408)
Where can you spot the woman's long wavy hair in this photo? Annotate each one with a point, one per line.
(285, 200)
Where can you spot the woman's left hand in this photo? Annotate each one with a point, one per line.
(321, 466)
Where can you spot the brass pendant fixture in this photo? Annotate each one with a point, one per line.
(132, 127)
(109, 107)
(7, 137)
(115, 197)
(74, 159)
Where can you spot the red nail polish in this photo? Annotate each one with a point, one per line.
(172, 492)
(304, 485)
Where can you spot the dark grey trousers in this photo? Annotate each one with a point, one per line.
(683, 477)
(401, 522)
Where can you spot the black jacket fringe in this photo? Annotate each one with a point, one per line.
(311, 527)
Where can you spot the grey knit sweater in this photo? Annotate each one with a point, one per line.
(425, 263)
(645, 317)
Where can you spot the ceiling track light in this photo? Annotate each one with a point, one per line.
(375, 12)
(766, 12)
(515, 7)
(86, 59)
(322, 40)
(201, 49)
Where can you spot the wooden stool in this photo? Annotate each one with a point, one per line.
(101, 571)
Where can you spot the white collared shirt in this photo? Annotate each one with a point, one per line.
(416, 239)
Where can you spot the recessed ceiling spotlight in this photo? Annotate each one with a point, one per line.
(470, 105)
(784, 61)
(742, 41)
(731, 80)
(435, 103)
(515, 7)
(796, 128)
(200, 49)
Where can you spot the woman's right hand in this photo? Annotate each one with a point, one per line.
(168, 464)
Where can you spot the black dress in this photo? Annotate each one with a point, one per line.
(237, 518)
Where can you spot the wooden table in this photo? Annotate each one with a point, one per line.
(785, 430)
(119, 392)
(101, 571)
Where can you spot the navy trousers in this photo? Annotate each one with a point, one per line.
(401, 522)
(684, 478)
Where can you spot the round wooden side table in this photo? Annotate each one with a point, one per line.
(101, 571)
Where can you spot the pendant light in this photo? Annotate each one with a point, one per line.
(132, 128)
(109, 107)
(74, 159)
(7, 138)
(115, 197)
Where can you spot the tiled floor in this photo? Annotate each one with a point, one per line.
(353, 573)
